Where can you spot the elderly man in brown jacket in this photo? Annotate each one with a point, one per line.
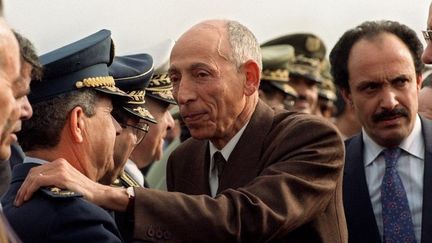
(281, 179)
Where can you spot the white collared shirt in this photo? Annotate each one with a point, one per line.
(410, 167)
(132, 169)
(226, 152)
(29, 159)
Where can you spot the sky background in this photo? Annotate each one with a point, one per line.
(140, 25)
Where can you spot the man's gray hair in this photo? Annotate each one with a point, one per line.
(44, 128)
(243, 43)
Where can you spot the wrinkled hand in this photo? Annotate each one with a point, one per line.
(57, 173)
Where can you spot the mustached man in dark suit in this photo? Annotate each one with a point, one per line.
(388, 166)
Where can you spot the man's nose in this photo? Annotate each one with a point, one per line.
(117, 126)
(26, 109)
(185, 92)
(389, 99)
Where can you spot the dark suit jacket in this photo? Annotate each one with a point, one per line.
(282, 183)
(362, 226)
(50, 218)
(17, 156)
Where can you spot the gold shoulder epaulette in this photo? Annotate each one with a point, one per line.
(128, 181)
(56, 192)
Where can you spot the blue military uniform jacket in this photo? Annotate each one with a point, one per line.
(56, 216)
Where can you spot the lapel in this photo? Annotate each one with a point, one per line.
(197, 169)
(426, 235)
(244, 162)
(358, 208)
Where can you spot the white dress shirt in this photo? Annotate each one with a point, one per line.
(226, 152)
(29, 159)
(132, 169)
(410, 167)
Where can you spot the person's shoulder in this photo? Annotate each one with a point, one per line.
(68, 206)
(32, 219)
(47, 200)
(298, 120)
(58, 193)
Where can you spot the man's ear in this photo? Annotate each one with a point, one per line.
(253, 74)
(76, 124)
(346, 94)
(419, 80)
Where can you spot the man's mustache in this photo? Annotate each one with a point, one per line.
(388, 114)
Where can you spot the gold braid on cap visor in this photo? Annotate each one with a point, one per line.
(278, 75)
(94, 82)
(137, 97)
(143, 111)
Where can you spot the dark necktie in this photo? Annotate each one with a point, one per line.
(219, 163)
(397, 221)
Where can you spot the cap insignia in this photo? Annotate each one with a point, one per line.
(142, 111)
(137, 97)
(166, 94)
(312, 44)
(161, 79)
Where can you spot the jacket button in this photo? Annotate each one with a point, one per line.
(151, 232)
(159, 234)
(167, 235)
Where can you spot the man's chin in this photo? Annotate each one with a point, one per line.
(5, 152)
(389, 137)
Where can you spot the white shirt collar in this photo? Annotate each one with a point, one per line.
(29, 159)
(229, 147)
(413, 144)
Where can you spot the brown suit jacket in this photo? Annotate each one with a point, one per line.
(282, 183)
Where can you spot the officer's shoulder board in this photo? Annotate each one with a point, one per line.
(56, 192)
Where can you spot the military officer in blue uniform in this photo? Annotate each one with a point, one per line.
(72, 119)
(132, 73)
(159, 99)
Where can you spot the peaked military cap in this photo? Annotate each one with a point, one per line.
(160, 86)
(276, 61)
(82, 64)
(132, 74)
(327, 89)
(308, 68)
(306, 44)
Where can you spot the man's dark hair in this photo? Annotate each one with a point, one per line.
(368, 30)
(29, 55)
(43, 129)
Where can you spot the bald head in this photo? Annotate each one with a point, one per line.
(236, 43)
